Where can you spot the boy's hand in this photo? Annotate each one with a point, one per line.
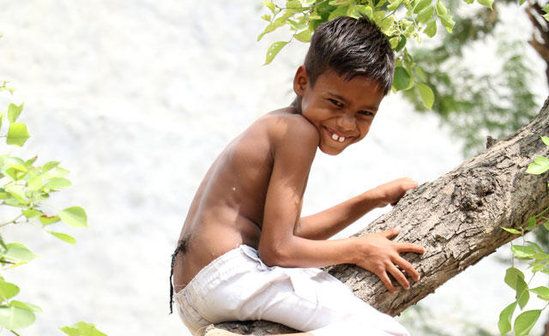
(380, 255)
(393, 191)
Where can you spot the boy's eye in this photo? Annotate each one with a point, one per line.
(366, 113)
(335, 102)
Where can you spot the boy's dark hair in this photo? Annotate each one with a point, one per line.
(351, 47)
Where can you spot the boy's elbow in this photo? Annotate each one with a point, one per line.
(274, 256)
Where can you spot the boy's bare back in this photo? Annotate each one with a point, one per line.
(228, 207)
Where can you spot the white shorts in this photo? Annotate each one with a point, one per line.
(238, 286)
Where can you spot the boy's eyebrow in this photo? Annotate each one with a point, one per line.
(335, 95)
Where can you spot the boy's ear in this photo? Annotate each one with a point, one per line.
(300, 81)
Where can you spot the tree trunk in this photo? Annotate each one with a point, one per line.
(457, 218)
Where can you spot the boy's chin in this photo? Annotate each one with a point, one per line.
(331, 150)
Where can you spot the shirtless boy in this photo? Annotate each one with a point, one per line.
(245, 252)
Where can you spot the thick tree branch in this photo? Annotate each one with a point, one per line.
(458, 218)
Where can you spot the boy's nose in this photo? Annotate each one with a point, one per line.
(346, 123)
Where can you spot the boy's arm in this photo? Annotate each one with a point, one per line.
(294, 147)
(325, 224)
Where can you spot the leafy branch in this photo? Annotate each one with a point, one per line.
(24, 187)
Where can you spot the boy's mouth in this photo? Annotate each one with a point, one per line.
(335, 136)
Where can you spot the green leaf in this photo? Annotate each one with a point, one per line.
(339, 11)
(393, 5)
(426, 94)
(486, 3)
(426, 14)
(82, 329)
(57, 183)
(74, 216)
(270, 5)
(47, 220)
(25, 306)
(14, 111)
(273, 50)
(542, 292)
(421, 5)
(50, 165)
(385, 23)
(266, 17)
(545, 140)
(512, 275)
(539, 166)
(402, 79)
(18, 254)
(512, 231)
(504, 323)
(13, 317)
(546, 225)
(526, 321)
(30, 213)
(431, 28)
(18, 193)
(277, 23)
(532, 223)
(447, 22)
(522, 294)
(35, 183)
(304, 36)
(523, 252)
(63, 236)
(441, 9)
(7, 290)
(364, 10)
(401, 43)
(17, 134)
(293, 4)
(31, 161)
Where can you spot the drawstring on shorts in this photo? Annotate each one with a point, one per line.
(181, 246)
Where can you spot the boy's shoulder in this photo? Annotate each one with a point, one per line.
(286, 125)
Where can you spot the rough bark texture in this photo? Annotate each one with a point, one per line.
(457, 218)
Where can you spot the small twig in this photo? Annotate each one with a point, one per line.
(13, 221)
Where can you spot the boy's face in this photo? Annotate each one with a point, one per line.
(341, 110)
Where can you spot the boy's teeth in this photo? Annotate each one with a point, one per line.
(336, 137)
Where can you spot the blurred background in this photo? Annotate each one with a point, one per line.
(137, 99)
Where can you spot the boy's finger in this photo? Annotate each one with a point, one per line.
(397, 274)
(407, 267)
(391, 233)
(409, 247)
(386, 281)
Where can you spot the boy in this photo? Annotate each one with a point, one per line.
(244, 252)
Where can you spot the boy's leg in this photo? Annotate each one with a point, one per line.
(238, 286)
(312, 300)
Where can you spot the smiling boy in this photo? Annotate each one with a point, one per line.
(245, 252)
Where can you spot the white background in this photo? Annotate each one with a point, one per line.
(137, 99)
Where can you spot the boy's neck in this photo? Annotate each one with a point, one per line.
(296, 104)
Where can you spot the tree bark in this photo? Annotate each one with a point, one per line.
(457, 218)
